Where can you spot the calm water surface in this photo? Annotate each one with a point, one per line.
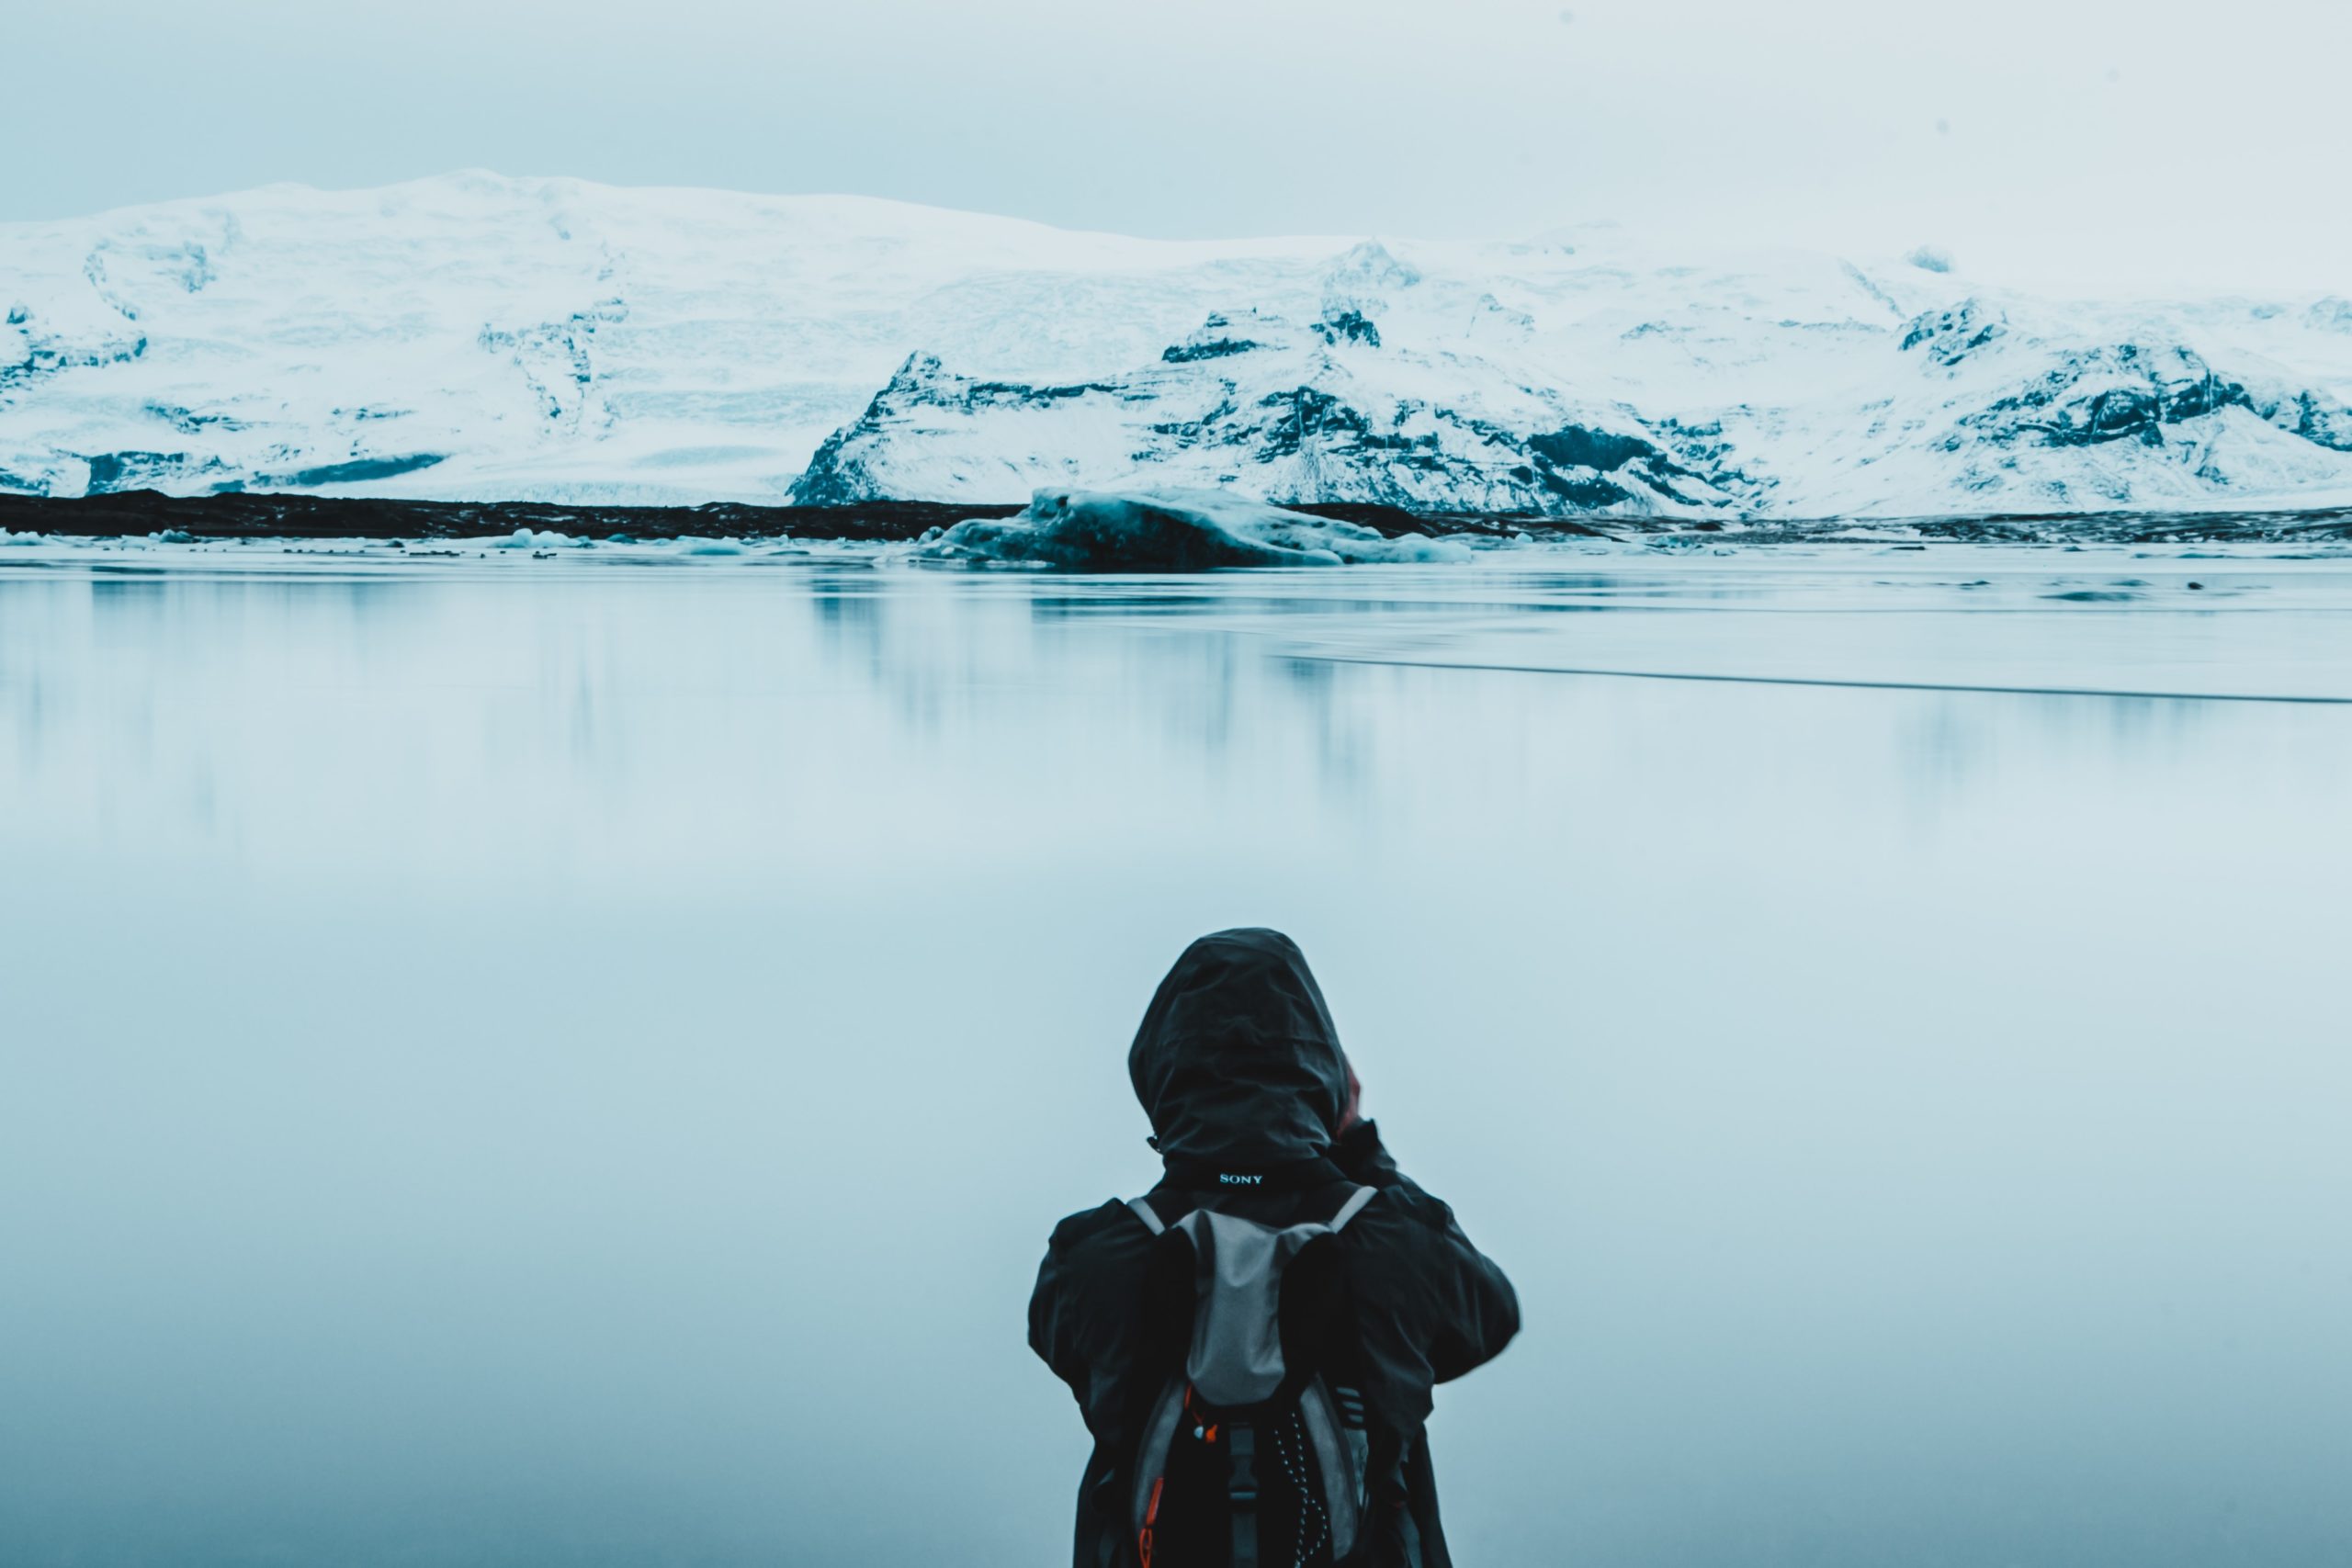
(572, 1062)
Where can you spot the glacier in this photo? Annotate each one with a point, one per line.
(473, 337)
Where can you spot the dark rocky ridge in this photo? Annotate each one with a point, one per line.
(264, 516)
(274, 515)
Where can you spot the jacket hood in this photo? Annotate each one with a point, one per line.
(1237, 1059)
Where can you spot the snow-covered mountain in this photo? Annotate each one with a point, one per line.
(476, 338)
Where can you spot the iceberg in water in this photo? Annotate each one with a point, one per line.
(1176, 530)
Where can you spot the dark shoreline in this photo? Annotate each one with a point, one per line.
(240, 515)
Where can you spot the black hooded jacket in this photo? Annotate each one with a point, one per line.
(1240, 1071)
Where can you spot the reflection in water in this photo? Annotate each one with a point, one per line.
(575, 1065)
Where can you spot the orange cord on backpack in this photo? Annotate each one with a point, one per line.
(1151, 1516)
(1206, 1430)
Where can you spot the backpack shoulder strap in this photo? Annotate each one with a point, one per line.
(1144, 1212)
(1354, 1206)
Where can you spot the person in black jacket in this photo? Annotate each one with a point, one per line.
(1239, 1068)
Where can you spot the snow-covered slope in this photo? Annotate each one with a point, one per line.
(478, 337)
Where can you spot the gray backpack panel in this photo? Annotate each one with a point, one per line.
(1235, 1359)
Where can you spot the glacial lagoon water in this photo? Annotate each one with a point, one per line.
(572, 1061)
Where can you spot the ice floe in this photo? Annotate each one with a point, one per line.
(1184, 530)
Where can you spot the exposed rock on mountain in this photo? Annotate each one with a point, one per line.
(1293, 415)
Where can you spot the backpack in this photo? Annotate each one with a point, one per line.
(1241, 1453)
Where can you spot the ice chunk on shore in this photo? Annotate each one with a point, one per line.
(1176, 530)
(535, 539)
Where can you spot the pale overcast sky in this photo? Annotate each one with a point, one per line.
(2082, 141)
